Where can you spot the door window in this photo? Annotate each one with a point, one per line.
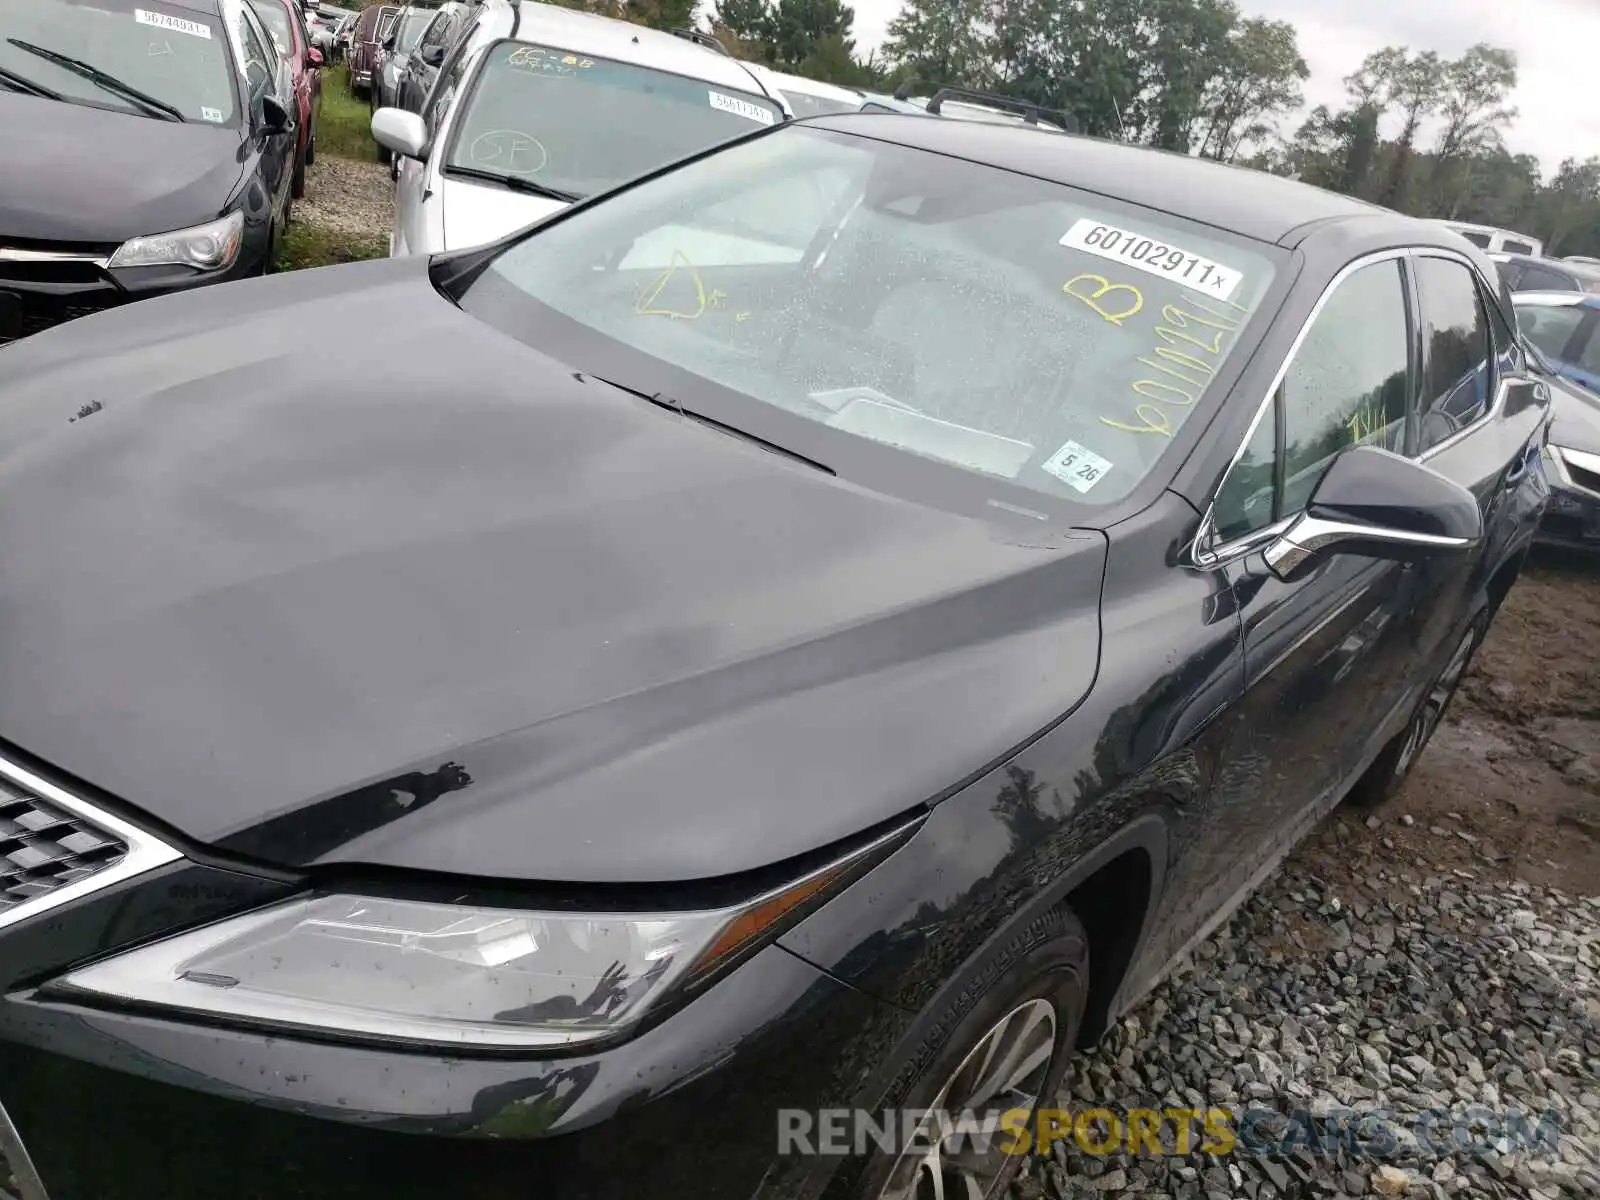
(1543, 279)
(259, 64)
(445, 91)
(1458, 376)
(1348, 384)
(1550, 327)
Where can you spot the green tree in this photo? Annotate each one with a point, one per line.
(751, 24)
(938, 40)
(1257, 84)
(799, 25)
(1475, 111)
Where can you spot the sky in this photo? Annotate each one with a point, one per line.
(1555, 42)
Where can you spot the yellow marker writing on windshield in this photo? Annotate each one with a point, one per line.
(1155, 421)
(645, 306)
(1126, 300)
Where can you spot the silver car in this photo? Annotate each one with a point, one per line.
(571, 104)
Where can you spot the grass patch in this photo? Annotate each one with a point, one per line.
(308, 246)
(344, 126)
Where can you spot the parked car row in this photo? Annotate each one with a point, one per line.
(774, 634)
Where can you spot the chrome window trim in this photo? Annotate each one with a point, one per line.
(1203, 555)
(19, 255)
(145, 851)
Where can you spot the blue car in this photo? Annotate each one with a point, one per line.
(1563, 327)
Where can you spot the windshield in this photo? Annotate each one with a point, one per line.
(173, 54)
(276, 18)
(412, 23)
(1019, 330)
(581, 124)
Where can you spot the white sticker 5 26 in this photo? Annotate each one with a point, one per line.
(175, 24)
(741, 108)
(1079, 467)
(1154, 255)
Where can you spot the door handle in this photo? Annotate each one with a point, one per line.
(1523, 466)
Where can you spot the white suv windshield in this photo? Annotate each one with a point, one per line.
(174, 55)
(579, 124)
(1016, 328)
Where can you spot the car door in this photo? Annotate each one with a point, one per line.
(265, 74)
(419, 223)
(422, 67)
(1480, 423)
(1327, 657)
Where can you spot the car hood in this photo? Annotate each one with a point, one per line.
(109, 176)
(478, 213)
(1575, 417)
(456, 607)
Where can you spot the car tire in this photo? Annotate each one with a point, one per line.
(311, 149)
(297, 185)
(1394, 764)
(1005, 992)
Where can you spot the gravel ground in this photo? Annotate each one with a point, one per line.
(349, 198)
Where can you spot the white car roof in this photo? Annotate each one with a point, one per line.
(588, 33)
(1551, 299)
(784, 82)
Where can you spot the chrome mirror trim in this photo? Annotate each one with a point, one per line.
(1310, 536)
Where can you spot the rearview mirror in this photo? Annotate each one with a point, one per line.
(1376, 503)
(400, 131)
(274, 116)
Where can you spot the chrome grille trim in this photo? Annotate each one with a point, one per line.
(144, 851)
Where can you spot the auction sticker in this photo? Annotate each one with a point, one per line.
(741, 108)
(1155, 255)
(174, 24)
(212, 114)
(1079, 467)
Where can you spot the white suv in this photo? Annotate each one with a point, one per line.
(567, 105)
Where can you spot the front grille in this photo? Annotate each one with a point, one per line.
(44, 847)
(37, 317)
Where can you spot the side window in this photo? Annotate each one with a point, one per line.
(259, 65)
(1543, 279)
(1550, 328)
(1481, 240)
(1511, 247)
(1508, 271)
(1244, 503)
(1349, 381)
(446, 89)
(1458, 377)
(438, 33)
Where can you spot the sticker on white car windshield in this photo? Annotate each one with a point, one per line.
(741, 108)
(1153, 255)
(211, 114)
(175, 24)
(1079, 467)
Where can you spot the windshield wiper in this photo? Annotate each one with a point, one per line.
(515, 183)
(662, 400)
(98, 77)
(23, 84)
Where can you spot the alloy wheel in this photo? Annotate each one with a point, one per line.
(1431, 711)
(957, 1152)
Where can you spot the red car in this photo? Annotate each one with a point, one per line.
(287, 24)
(372, 27)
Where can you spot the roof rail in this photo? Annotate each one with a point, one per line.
(700, 38)
(1026, 109)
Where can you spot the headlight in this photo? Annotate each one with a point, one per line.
(208, 247)
(448, 974)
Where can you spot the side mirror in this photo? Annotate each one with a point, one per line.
(313, 58)
(1378, 504)
(432, 56)
(400, 131)
(388, 42)
(274, 116)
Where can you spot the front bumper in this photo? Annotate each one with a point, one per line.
(119, 1105)
(1572, 519)
(38, 294)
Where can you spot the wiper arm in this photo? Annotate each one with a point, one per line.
(662, 400)
(100, 78)
(515, 183)
(23, 84)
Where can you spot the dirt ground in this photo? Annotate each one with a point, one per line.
(1510, 785)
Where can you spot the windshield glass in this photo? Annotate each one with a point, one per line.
(1017, 329)
(581, 124)
(276, 18)
(171, 53)
(412, 23)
